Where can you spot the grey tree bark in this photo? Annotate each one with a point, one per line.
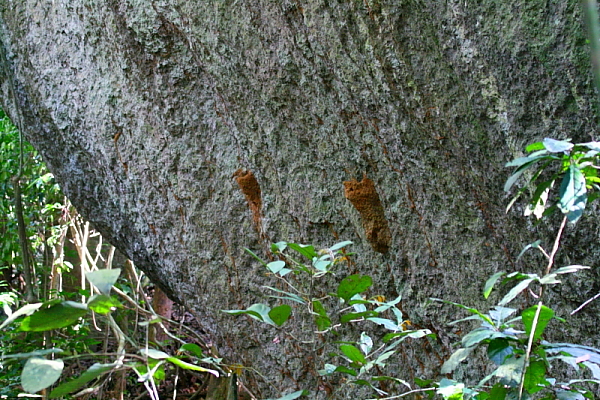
(188, 130)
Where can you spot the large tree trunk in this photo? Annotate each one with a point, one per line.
(188, 130)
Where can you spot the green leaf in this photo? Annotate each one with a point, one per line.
(489, 284)
(322, 320)
(75, 384)
(455, 359)
(353, 353)
(276, 266)
(257, 257)
(306, 250)
(557, 146)
(346, 370)
(257, 311)
(510, 371)
(591, 145)
(354, 316)
(192, 348)
(498, 350)
(476, 336)
(573, 194)
(280, 314)
(155, 354)
(535, 376)
(104, 279)
(451, 390)
(37, 353)
(340, 245)
(27, 309)
(386, 323)
(514, 292)
(103, 304)
(352, 285)
(192, 367)
(545, 315)
(39, 373)
(498, 392)
(54, 317)
(571, 268)
(535, 147)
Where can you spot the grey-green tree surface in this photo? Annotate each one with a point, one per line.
(189, 130)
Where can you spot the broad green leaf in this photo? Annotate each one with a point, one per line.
(489, 284)
(354, 316)
(328, 369)
(455, 359)
(407, 334)
(498, 392)
(535, 147)
(340, 245)
(549, 279)
(535, 376)
(365, 343)
(451, 390)
(39, 373)
(104, 279)
(75, 384)
(352, 285)
(545, 315)
(186, 365)
(322, 320)
(521, 161)
(557, 146)
(103, 304)
(514, 292)
(573, 193)
(571, 268)
(155, 354)
(386, 323)
(591, 145)
(346, 370)
(280, 314)
(353, 353)
(37, 353)
(476, 336)
(278, 247)
(498, 350)
(257, 311)
(293, 396)
(321, 264)
(27, 309)
(276, 266)
(510, 371)
(500, 314)
(54, 317)
(192, 348)
(307, 251)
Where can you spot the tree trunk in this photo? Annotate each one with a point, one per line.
(189, 130)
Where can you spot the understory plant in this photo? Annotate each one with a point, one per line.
(43, 367)
(513, 339)
(360, 359)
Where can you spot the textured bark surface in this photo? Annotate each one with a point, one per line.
(188, 130)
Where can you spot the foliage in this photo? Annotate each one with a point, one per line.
(63, 332)
(359, 359)
(514, 343)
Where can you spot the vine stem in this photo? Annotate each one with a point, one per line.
(539, 305)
